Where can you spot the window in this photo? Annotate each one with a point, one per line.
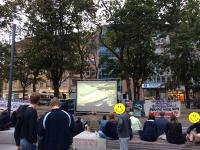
(163, 79)
(73, 81)
(158, 79)
(41, 84)
(169, 78)
(93, 72)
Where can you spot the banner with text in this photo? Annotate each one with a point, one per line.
(156, 106)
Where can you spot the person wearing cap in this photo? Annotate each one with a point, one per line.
(56, 128)
(135, 123)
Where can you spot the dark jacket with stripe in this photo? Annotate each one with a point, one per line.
(56, 130)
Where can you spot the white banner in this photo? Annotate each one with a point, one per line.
(14, 105)
(156, 106)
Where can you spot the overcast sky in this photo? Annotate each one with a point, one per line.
(5, 36)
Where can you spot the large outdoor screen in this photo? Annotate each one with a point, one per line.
(96, 96)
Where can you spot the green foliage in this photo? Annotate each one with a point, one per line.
(52, 24)
(129, 38)
(184, 54)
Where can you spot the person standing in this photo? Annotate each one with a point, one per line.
(124, 130)
(26, 127)
(56, 128)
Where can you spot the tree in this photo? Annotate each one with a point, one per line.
(184, 49)
(129, 38)
(22, 72)
(34, 60)
(52, 25)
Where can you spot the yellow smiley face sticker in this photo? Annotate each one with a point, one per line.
(119, 108)
(194, 117)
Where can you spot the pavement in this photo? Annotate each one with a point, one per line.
(7, 147)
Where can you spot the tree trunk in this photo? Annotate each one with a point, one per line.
(56, 87)
(23, 92)
(187, 96)
(128, 86)
(157, 94)
(138, 92)
(82, 65)
(135, 90)
(34, 83)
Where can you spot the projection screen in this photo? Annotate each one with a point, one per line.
(96, 96)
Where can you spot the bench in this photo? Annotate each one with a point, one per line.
(138, 144)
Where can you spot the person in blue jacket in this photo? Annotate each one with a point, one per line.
(150, 131)
(161, 123)
(56, 128)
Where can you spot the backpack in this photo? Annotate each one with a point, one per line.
(20, 118)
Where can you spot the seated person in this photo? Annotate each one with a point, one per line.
(149, 132)
(13, 118)
(5, 123)
(110, 129)
(78, 126)
(103, 122)
(136, 125)
(173, 131)
(194, 136)
(161, 123)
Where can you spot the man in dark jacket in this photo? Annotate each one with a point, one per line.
(26, 127)
(161, 123)
(124, 130)
(56, 128)
(193, 136)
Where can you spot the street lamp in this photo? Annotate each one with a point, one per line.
(11, 67)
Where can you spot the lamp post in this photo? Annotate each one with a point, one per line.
(11, 68)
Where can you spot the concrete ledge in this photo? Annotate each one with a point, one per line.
(88, 141)
(138, 144)
(7, 137)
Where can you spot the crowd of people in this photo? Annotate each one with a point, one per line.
(55, 129)
(153, 129)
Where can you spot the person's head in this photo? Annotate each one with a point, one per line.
(162, 114)
(151, 117)
(130, 113)
(34, 98)
(127, 110)
(104, 117)
(111, 116)
(173, 118)
(79, 119)
(55, 102)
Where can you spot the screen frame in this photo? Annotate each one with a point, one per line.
(93, 81)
